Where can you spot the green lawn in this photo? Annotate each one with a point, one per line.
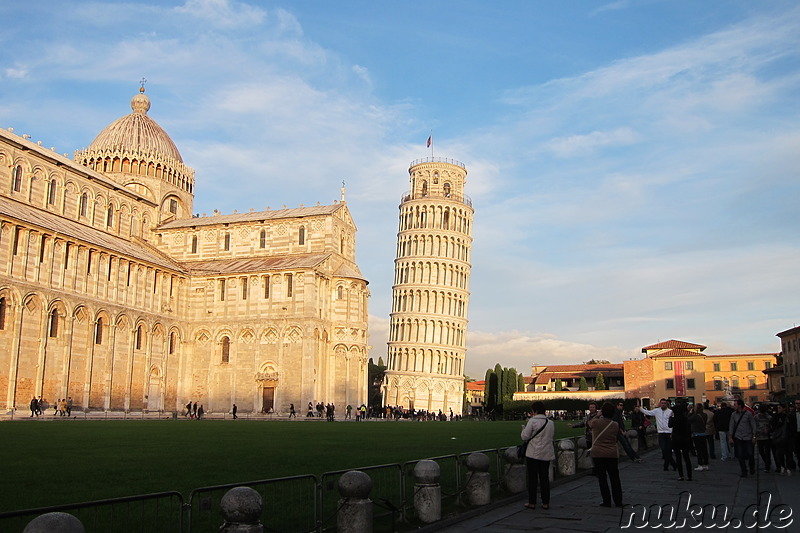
(65, 461)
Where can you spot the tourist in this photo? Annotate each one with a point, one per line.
(794, 414)
(348, 410)
(619, 418)
(587, 434)
(710, 431)
(697, 423)
(722, 421)
(200, 412)
(779, 431)
(639, 422)
(605, 454)
(34, 407)
(742, 435)
(310, 413)
(69, 406)
(763, 439)
(292, 412)
(538, 434)
(681, 439)
(194, 410)
(662, 416)
(188, 410)
(234, 411)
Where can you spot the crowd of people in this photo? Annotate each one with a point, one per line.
(684, 431)
(62, 407)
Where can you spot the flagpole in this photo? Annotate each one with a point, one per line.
(431, 144)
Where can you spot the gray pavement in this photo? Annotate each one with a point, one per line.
(574, 504)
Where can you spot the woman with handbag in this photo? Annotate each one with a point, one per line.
(606, 455)
(538, 434)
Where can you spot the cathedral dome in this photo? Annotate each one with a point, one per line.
(136, 133)
(135, 147)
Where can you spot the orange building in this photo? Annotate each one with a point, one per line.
(742, 375)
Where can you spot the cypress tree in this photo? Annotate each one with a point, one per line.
(600, 382)
(582, 385)
(559, 385)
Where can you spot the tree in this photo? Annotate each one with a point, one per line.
(509, 383)
(380, 361)
(375, 376)
(559, 385)
(600, 382)
(597, 362)
(582, 385)
(490, 390)
(520, 382)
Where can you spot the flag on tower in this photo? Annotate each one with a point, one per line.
(430, 140)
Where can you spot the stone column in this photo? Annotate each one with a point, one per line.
(54, 523)
(514, 473)
(355, 507)
(478, 487)
(566, 457)
(242, 507)
(428, 491)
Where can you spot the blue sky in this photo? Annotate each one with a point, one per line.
(633, 164)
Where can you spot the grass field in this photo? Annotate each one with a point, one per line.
(65, 461)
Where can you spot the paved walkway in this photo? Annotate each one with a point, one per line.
(574, 505)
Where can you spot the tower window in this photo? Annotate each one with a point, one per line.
(447, 190)
(424, 188)
(53, 323)
(226, 349)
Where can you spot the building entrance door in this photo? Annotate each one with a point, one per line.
(268, 399)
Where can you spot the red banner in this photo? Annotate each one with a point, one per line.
(680, 379)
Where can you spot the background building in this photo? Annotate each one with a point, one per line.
(790, 349)
(430, 295)
(114, 294)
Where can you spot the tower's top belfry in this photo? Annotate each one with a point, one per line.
(437, 178)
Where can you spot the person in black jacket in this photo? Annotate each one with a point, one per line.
(638, 421)
(681, 438)
(722, 420)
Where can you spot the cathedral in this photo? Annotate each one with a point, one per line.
(115, 295)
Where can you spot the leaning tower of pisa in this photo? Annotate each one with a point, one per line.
(431, 290)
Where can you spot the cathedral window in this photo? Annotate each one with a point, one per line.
(89, 263)
(339, 293)
(302, 236)
(15, 244)
(172, 343)
(173, 206)
(139, 335)
(288, 285)
(222, 290)
(244, 288)
(42, 244)
(53, 329)
(110, 217)
(51, 192)
(110, 264)
(84, 204)
(226, 349)
(227, 244)
(66, 255)
(266, 287)
(194, 244)
(3, 313)
(17, 182)
(262, 239)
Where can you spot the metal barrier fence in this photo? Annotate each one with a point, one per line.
(162, 511)
(290, 504)
(386, 495)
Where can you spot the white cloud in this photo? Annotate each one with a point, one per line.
(578, 145)
(223, 13)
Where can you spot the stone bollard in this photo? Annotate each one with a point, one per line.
(478, 486)
(54, 523)
(355, 507)
(566, 457)
(633, 439)
(242, 507)
(584, 458)
(514, 480)
(428, 491)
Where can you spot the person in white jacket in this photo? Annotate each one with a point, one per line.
(662, 416)
(538, 433)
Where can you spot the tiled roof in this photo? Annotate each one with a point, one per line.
(49, 221)
(579, 371)
(255, 264)
(475, 386)
(297, 212)
(346, 271)
(788, 332)
(668, 345)
(677, 353)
